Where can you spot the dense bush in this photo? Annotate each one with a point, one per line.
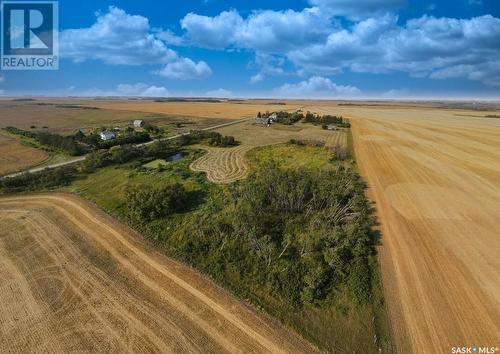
(64, 143)
(67, 144)
(304, 142)
(47, 178)
(145, 204)
(20, 132)
(133, 138)
(340, 153)
(326, 120)
(211, 138)
(299, 235)
(125, 153)
(153, 130)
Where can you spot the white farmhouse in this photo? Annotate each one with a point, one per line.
(107, 135)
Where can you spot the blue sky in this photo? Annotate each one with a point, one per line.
(307, 48)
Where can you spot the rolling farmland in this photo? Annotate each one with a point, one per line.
(434, 175)
(221, 110)
(15, 156)
(69, 115)
(87, 283)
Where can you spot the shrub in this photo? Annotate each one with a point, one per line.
(340, 153)
(359, 280)
(145, 204)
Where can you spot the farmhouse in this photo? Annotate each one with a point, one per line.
(267, 120)
(332, 127)
(107, 135)
(139, 123)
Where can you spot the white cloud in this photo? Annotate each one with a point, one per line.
(268, 65)
(396, 93)
(265, 31)
(141, 89)
(318, 44)
(185, 69)
(317, 87)
(256, 78)
(118, 38)
(170, 37)
(356, 9)
(128, 90)
(212, 32)
(425, 47)
(220, 93)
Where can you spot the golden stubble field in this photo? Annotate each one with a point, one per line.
(224, 110)
(69, 115)
(75, 280)
(15, 156)
(434, 175)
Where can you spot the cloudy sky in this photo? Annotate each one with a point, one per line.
(303, 48)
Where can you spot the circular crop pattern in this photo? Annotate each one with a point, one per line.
(223, 165)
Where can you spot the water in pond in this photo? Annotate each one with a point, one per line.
(177, 157)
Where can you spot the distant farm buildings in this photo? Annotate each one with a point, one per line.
(139, 123)
(267, 120)
(107, 135)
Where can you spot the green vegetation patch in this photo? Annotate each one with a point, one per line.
(156, 164)
(290, 156)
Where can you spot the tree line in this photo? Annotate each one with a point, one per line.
(326, 120)
(67, 144)
(283, 117)
(209, 137)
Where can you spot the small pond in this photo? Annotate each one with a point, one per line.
(177, 157)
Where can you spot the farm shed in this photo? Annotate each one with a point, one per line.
(139, 123)
(107, 135)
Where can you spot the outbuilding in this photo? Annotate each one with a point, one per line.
(107, 135)
(267, 120)
(139, 123)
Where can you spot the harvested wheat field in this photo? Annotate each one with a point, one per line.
(15, 156)
(434, 175)
(226, 165)
(70, 115)
(73, 279)
(224, 110)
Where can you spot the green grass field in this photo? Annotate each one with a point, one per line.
(156, 164)
(107, 186)
(292, 157)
